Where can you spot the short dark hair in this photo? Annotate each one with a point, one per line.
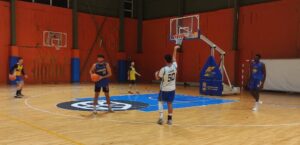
(20, 58)
(168, 58)
(100, 56)
(258, 55)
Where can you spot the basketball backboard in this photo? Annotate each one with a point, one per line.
(188, 26)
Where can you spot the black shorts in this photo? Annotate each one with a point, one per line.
(132, 82)
(166, 96)
(103, 88)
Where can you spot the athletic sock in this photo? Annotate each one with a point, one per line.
(94, 108)
(170, 117)
(18, 92)
(161, 109)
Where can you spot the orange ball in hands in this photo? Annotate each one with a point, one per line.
(95, 77)
(12, 77)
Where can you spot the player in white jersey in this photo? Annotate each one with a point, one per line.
(167, 75)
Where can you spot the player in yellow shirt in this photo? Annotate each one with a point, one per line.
(18, 71)
(132, 77)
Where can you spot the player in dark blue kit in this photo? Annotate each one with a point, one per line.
(257, 79)
(102, 69)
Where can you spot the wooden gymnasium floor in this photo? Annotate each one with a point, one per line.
(35, 120)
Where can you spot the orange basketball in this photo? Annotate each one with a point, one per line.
(95, 77)
(12, 77)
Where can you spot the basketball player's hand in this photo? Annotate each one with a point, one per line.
(100, 78)
(177, 47)
(261, 85)
(25, 76)
(156, 75)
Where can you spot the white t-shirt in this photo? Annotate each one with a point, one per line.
(168, 76)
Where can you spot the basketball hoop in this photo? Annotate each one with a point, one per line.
(55, 45)
(55, 40)
(179, 38)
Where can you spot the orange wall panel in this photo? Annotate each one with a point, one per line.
(43, 64)
(272, 29)
(4, 40)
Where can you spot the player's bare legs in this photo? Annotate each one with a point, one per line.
(96, 101)
(170, 113)
(108, 101)
(255, 94)
(130, 88)
(20, 86)
(161, 112)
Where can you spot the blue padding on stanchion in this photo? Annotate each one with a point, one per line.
(12, 61)
(211, 78)
(75, 70)
(122, 70)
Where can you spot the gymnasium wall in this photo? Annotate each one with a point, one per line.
(4, 40)
(47, 65)
(271, 29)
(107, 43)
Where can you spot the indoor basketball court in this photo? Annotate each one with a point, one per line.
(145, 72)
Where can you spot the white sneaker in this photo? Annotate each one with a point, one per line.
(160, 121)
(255, 108)
(95, 110)
(169, 122)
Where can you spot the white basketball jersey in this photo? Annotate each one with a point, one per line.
(168, 76)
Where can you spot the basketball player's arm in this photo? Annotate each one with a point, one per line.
(128, 75)
(12, 70)
(156, 75)
(264, 79)
(159, 74)
(138, 74)
(175, 52)
(109, 73)
(92, 70)
(23, 73)
(250, 74)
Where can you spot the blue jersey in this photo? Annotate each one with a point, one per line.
(257, 70)
(101, 70)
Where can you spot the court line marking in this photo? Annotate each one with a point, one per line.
(48, 131)
(144, 122)
(53, 133)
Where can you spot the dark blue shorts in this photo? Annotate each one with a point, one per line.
(19, 79)
(254, 84)
(102, 84)
(166, 96)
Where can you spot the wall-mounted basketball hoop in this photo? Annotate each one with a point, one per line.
(55, 40)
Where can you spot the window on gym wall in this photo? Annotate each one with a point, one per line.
(57, 3)
(43, 1)
(60, 3)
